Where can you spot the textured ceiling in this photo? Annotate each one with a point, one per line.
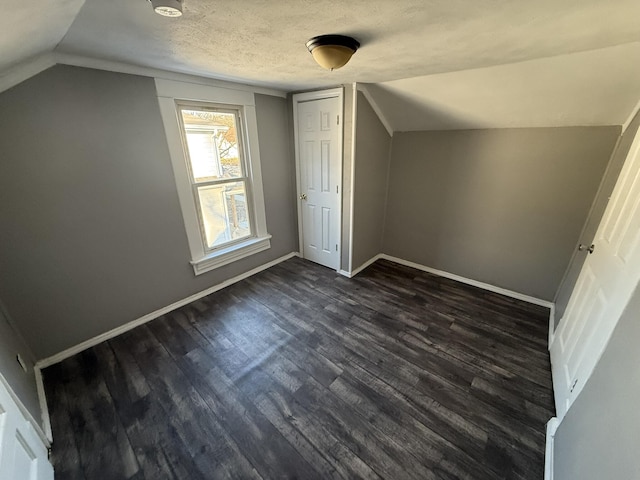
(262, 41)
(467, 63)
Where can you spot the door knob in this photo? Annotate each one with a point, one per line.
(303, 196)
(589, 249)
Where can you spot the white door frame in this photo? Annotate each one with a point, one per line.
(612, 310)
(306, 97)
(18, 429)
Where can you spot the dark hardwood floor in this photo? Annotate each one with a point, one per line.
(298, 372)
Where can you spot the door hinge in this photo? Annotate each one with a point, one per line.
(338, 119)
(336, 188)
(336, 247)
(574, 385)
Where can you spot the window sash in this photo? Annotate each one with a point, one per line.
(170, 94)
(248, 202)
(237, 110)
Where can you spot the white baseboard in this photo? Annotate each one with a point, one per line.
(458, 278)
(469, 281)
(552, 426)
(356, 271)
(27, 415)
(69, 352)
(366, 264)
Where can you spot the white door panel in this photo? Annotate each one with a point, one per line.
(23, 456)
(319, 171)
(606, 282)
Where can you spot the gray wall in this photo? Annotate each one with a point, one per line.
(599, 438)
(503, 207)
(22, 383)
(373, 145)
(595, 215)
(92, 234)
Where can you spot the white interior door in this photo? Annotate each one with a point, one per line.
(319, 164)
(23, 456)
(606, 282)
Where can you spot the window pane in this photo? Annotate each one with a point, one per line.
(224, 213)
(212, 142)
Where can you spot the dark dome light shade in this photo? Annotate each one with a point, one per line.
(332, 51)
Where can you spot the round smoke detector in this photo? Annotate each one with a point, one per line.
(167, 8)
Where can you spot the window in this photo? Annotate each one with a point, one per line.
(214, 153)
(217, 172)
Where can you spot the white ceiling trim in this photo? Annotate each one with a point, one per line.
(119, 67)
(36, 65)
(376, 108)
(632, 115)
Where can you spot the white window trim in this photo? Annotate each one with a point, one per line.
(168, 92)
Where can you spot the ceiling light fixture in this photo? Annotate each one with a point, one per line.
(167, 8)
(332, 51)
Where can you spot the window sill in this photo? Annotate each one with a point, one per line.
(231, 254)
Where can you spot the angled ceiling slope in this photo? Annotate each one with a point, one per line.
(598, 87)
(34, 27)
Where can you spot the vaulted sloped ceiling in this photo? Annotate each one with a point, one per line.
(462, 63)
(33, 27)
(597, 87)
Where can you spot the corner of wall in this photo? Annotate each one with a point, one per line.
(386, 196)
(376, 108)
(25, 70)
(631, 117)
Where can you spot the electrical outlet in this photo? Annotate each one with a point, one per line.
(21, 362)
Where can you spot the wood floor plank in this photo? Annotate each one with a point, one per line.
(516, 437)
(105, 451)
(213, 452)
(262, 443)
(66, 456)
(298, 372)
(159, 450)
(432, 394)
(383, 452)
